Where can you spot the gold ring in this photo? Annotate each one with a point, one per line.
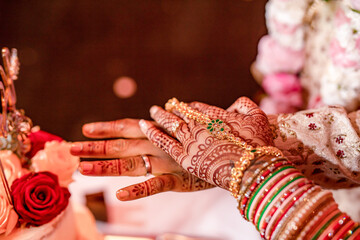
(175, 126)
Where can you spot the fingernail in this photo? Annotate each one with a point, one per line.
(122, 194)
(89, 128)
(86, 167)
(76, 147)
(154, 110)
(143, 125)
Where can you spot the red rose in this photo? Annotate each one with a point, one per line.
(38, 140)
(38, 198)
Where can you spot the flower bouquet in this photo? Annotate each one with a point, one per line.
(35, 167)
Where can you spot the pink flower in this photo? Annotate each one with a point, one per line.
(355, 4)
(284, 88)
(315, 102)
(284, 28)
(271, 106)
(56, 158)
(273, 57)
(341, 18)
(357, 44)
(339, 56)
(281, 82)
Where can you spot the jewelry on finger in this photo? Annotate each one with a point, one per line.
(147, 164)
(174, 128)
(219, 129)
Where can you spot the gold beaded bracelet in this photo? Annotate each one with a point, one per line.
(221, 131)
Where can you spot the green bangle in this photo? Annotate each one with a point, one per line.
(269, 202)
(325, 226)
(257, 191)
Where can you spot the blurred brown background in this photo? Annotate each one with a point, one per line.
(71, 53)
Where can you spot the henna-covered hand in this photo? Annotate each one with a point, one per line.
(199, 152)
(120, 156)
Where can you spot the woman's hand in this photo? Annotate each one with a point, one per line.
(121, 156)
(199, 152)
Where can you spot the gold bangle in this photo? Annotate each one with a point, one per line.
(219, 129)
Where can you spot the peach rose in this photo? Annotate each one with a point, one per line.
(8, 217)
(12, 170)
(56, 158)
(12, 165)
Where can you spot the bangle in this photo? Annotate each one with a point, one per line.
(256, 193)
(281, 223)
(306, 233)
(306, 213)
(287, 208)
(259, 176)
(347, 230)
(284, 204)
(260, 201)
(353, 233)
(265, 210)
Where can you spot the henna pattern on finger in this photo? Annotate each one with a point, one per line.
(165, 142)
(191, 183)
(117, 167)
(167, 120)
(153, 186)
(106, 147)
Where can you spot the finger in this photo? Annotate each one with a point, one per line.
(126, 128)
(212, 111)
(115, 148)
(171, 123)
(155, 185)
(162, 140)
(242, 105)
(131, 166)
(178, 182)
(191, 183)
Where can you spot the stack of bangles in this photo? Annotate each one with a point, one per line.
(278, 199)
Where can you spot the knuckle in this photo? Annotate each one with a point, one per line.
(118, 125)
(115, 146)
(94, 147)
(127, 164)
(157, 184)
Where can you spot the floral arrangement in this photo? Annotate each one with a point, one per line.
(282, 55)
(35, 167)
